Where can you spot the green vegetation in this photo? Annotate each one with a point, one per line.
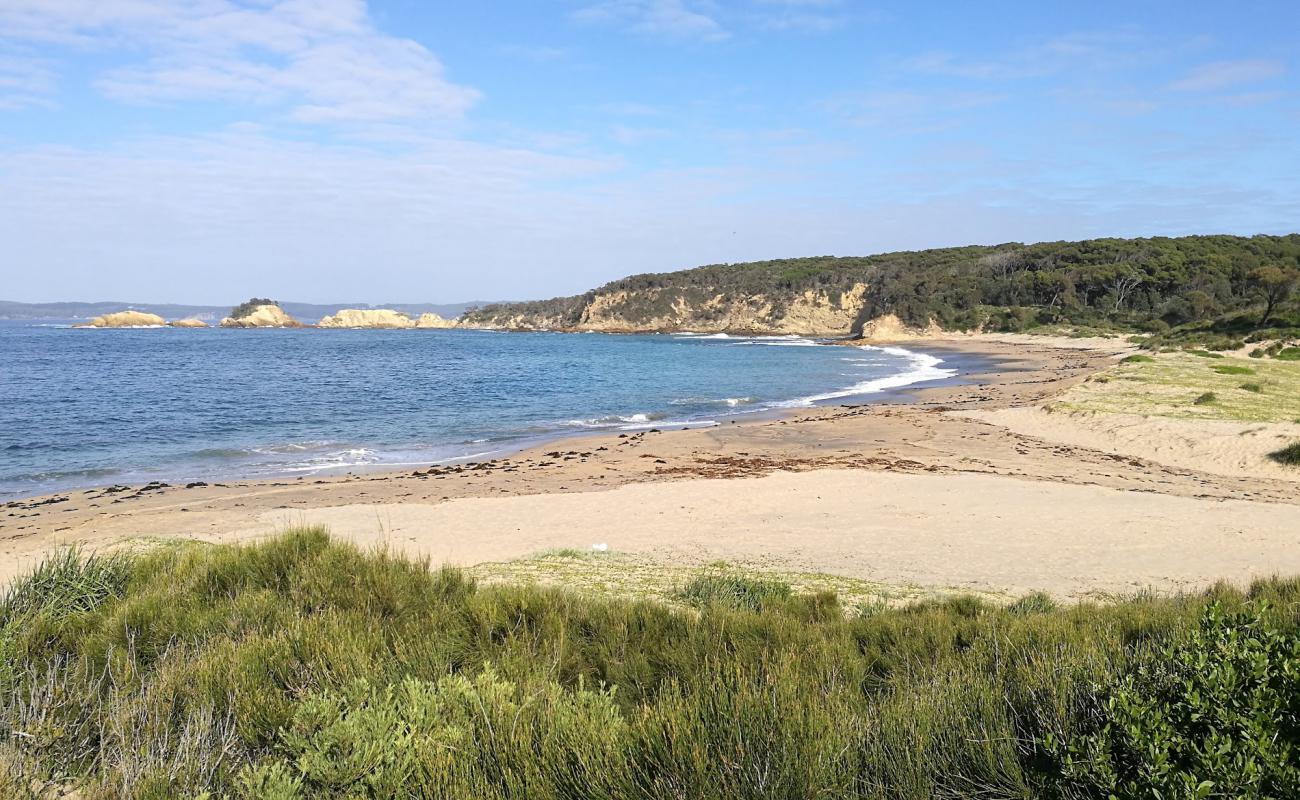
(1137, 359)
(1214, 290)
(735, 591)
(1171, 383)
(302, 668)
(1289, 455)
(1205, 399)
(249, 306)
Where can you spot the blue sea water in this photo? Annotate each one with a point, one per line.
(92, 407)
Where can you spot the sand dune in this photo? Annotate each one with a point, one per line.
(1219, 447)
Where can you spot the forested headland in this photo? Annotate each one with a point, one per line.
(1209, 286)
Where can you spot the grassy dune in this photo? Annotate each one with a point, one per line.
(303, 668)
(1169, 384)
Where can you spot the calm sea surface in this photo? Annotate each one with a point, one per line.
(93, 407)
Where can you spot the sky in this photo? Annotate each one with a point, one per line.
(204, 151)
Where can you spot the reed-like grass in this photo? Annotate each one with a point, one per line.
(303, 668)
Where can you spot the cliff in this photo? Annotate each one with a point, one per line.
(125, 319)
(263, 316)
(366, 318)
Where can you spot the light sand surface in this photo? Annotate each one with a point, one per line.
(1215, 446)
(913, 490)
(978, 532)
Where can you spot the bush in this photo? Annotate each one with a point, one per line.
(1136, 359)
(1252, 387)
(733, 591)
(1288, 354)
(1289, 455)
(1216, 715)
(303, 668)
(1205, 399)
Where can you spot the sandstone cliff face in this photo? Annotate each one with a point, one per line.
(819, 313)
(188, 323)
(125, 319)
(263, 317)
(367, 318)
(431, 320)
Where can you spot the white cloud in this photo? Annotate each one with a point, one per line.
(25, 82)
(1226, 74)
(807, 16)
(667, 18)
(324, 61)
(1075, 52)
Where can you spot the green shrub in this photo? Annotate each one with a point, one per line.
(303, 668)
(1205, 399)
(1252, 387)
(733, 591)
(1204, 354)
(1232, 369)
(1136, 359)
(1288, 354)
(1036, 603)
(1216, 715)
(1289, 455)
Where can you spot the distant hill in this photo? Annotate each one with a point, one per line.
(307, 312)
(1155, 284)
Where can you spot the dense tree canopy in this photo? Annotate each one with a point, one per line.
(1147, 284)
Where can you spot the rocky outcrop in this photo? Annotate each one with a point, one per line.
(188, 323)
(367, 318)
(125, 319)
(431, 320)
(889, 328)
(814, 312)
(266, 316)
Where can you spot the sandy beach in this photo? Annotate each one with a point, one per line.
(971, 487)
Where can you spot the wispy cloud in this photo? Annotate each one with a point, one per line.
(909, 111)
(1226, 74)
(25, 82)
(674, 19)
(325, 62)
(1070, 52)
(805, 16)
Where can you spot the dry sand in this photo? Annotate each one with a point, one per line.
(921, 492)
(1216, 446)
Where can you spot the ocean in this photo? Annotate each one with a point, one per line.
(83, 408)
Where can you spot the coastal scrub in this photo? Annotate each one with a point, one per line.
(304, 668)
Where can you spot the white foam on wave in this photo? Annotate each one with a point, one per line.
(922, 367)
(730, 402)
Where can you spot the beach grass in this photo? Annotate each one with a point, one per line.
(1183, 386)
(1289, 455)
(301, 667)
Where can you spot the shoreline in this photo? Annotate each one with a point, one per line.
(403, 456)
(898, 492)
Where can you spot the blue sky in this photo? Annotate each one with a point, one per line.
(342, 150)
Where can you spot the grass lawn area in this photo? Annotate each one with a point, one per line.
(1168, 385)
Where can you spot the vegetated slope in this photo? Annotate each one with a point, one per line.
(302, 668)
(1149, 284)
